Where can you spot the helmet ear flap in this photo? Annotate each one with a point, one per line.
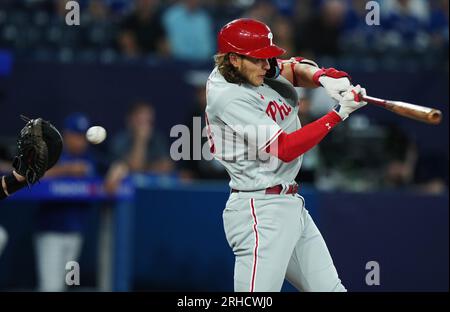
(274, 70)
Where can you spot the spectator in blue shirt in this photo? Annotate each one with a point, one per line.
(405, 24)
(189, 30)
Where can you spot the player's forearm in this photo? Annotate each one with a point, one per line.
(288, 147)
(299, 72)
(10, 184)
(304, 74)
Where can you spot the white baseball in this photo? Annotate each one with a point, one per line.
(96, 134)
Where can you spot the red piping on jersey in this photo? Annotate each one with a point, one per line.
(255, 251)
(288, 147)
(272, 139)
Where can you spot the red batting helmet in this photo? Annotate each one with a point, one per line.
(248, 37)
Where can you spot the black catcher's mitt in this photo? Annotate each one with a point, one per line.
(39, 146)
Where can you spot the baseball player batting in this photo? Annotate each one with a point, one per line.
(271, 233)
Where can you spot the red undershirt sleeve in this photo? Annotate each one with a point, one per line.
(287, 147)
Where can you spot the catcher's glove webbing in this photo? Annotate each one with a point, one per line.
(38, 148)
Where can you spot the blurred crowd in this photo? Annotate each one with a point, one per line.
(410, 33)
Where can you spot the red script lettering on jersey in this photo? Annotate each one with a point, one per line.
(273, 108)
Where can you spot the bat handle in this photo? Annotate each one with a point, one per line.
(373, 100)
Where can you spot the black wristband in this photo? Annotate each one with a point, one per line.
(12, 185)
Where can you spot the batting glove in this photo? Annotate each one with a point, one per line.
(351, 101)
(335, 82)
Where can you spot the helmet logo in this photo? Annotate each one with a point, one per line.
(270, 36)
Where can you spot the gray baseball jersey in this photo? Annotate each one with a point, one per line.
(272, 236)
(243, 120)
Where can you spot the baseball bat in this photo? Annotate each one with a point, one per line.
(421, 113)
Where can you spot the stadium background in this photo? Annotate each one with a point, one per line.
(164, 232)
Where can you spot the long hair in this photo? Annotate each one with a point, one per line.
(228, 71)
